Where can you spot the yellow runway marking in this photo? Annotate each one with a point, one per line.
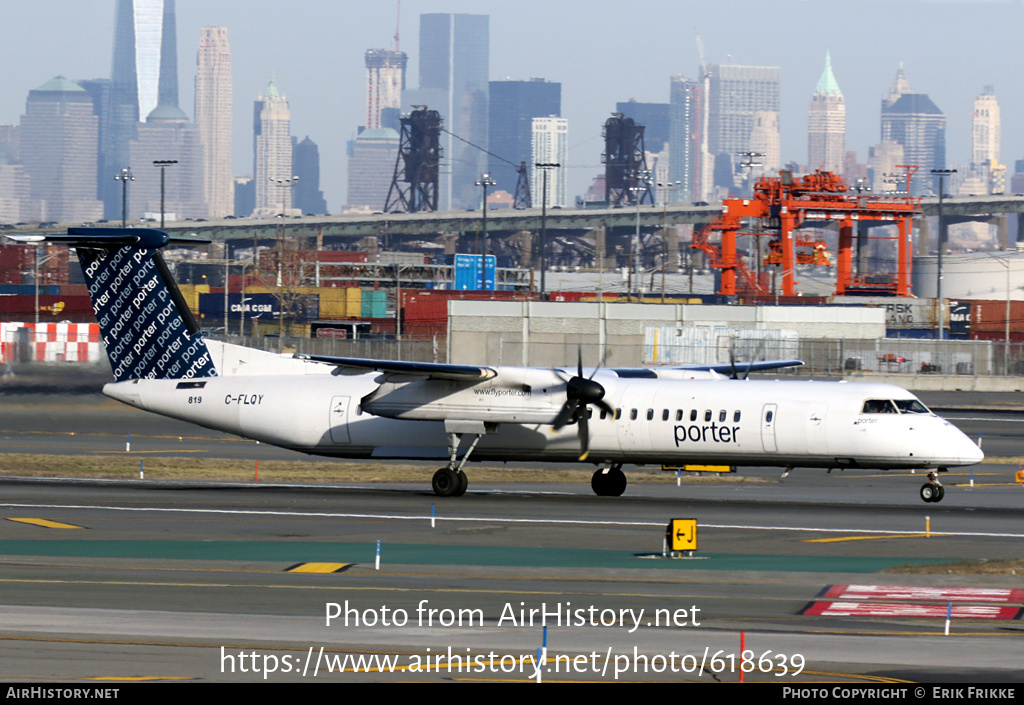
(44, 523)
(140, 679)
(318, 568)
(872, 538)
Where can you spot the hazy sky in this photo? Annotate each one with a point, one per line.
(601, 52)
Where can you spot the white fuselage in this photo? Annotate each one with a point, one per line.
(660, 421)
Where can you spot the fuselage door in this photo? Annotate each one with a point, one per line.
(768, 414)
(339, 418)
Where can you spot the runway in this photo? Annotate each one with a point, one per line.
(197, 582)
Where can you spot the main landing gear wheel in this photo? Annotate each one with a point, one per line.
(449, 483)
(610, 482)
(932, 491)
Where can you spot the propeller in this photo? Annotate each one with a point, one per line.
(580, 391)
(750, 363)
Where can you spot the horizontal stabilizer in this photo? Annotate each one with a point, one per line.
(147, 328)
(139, 238)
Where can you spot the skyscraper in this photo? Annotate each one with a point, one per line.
(987, 175)
(213, 116)
(371, 163)
(736, 94)
(826, 124)
(385, 81)
(144, 75)
(685, 139)
(550, 146)
(914, 121)
(59, 145)
(985, 128)
(309, 198)
(167, 134)
(454, 64)
(272, 152)
(512, 107)
(654, 118)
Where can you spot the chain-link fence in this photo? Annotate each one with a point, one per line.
(820, 357)
(431, 349)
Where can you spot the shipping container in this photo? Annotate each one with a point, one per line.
(374, 304)
(191, 293)
(29, 290)
(425, 312)
(989, 316)
(772, 300)
(900, 312)
(51, 307)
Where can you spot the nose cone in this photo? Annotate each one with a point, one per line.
(970, 453)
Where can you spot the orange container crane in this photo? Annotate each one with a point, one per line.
(781, 205)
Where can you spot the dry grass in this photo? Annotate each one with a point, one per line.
(964, 567)
(126, 465)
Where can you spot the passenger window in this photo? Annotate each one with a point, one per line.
(664, 415)
(650, 414)
(679, 414)
(707, 415)
(735, 417)
(722, 415)
(693, 415)
(603, 414)
(632, 414)
(618, 414)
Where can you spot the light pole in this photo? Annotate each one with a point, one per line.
(162, 164)
(941, 173)
(35, 276)
(288, 184)
(666, 188)
(481, 244)
(642, 185)
(124, 177)
(544, 166)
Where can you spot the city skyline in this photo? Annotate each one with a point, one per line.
(317, 50)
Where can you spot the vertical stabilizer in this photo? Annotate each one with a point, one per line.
(146, 326)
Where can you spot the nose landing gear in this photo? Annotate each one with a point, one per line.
(933, 491)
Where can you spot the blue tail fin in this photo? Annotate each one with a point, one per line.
(146, 325)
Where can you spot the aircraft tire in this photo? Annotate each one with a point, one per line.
(446, 483)
(940, 493)
(929, 492)
(463, 484)
(608, 484)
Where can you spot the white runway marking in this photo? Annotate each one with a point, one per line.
(509, 520)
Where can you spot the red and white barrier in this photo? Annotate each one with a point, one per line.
(52, 342)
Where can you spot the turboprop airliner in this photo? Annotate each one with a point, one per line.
(357, 408)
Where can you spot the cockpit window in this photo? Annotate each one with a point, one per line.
(878, 406)
(911, 406)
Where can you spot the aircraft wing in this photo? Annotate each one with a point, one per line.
(728, 367)
(426, 370)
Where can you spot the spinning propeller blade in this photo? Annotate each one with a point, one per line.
(580, 392)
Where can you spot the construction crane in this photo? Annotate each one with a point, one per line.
(779, 206)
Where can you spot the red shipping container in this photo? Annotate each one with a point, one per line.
(990, 316)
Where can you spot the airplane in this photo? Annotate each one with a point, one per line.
(358, 408)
